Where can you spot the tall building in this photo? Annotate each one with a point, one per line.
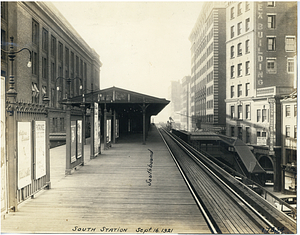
(57, 50)
(175, 105)
(185, 113)
(260, 62)
(208, 66)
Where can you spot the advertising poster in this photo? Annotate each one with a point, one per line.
(24, 154)
(96, 131)
(40, 149)
(108, 130)
(117, 128)
(2, 146)
(79, 138)
(73, 141)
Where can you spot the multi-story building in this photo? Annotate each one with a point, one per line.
(185, 113)
(57, 50)
(174, 94)
(208, 66)
(260, 57)
(289, 143)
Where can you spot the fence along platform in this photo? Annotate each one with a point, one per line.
(111, 193)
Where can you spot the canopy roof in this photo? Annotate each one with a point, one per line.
(122, 100)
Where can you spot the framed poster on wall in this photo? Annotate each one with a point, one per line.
(24, 154)
(73, 141)
(40, 148)
(109, 130)
(79, 138)
(96, 131)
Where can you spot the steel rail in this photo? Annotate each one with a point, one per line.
(224, 183)
(206, 217)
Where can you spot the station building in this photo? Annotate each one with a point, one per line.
(208, 67)
(261, 59)
(57, 53)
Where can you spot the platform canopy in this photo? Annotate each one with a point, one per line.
(121, 100)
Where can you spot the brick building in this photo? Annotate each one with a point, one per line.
(260, 59)
(57, 50)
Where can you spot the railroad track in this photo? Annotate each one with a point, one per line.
(224, 210)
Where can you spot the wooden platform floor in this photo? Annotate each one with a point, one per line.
(110, 194)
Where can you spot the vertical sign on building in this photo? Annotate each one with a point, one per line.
(73, 141)
(272, 125)
(79, 138)
(259, 38)
(24, 154)
(96, 131)
(2, 146)
(40, 149)
(117, 128)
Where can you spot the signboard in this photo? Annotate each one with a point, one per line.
(79, 138)
(24, 154)
(73, 141)
(108, 130)
(117, 128)
(2, 145)
(261, 140)
(40, 148)
(272, 123)
(96, 131)
(260, 43)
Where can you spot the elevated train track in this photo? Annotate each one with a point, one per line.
(228, 205)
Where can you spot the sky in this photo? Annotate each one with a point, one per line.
(142, 45)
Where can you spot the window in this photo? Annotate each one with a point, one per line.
(248, 114)
(271, 43)
(232, 51)
(295, 132)
(232, 13)
(232, 31)
(248, 135)
(247, 24)
(287, 111)
(263, 134)
(290, 65)
(240, 132)
(271, 65)
(287, 131)
(247, 46)
(232, 71)
(232, 131)
(295, 110)
(271, 4)
(240, 70)
(239, 28)
(232, 91)
(240, 92)
(247, 67)
(271, 21)
(60, 51)
(44, 67)
(258, 115)
(290, 43)
(35, 32)
(3, 43)
(247, 6)
(240, 8)
(264, 115)
(240, 51)
(232, 112)
(53, 73)
(34, 63)
(53, 46)
(45, 40)
(240, 112)
(247, 89)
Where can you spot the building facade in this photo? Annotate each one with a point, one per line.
(261, 58)
(185, 113)
(208, 67)
(175, 106)
(289, 143)
(57, 53)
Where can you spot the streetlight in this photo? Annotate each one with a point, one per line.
(11, 55)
